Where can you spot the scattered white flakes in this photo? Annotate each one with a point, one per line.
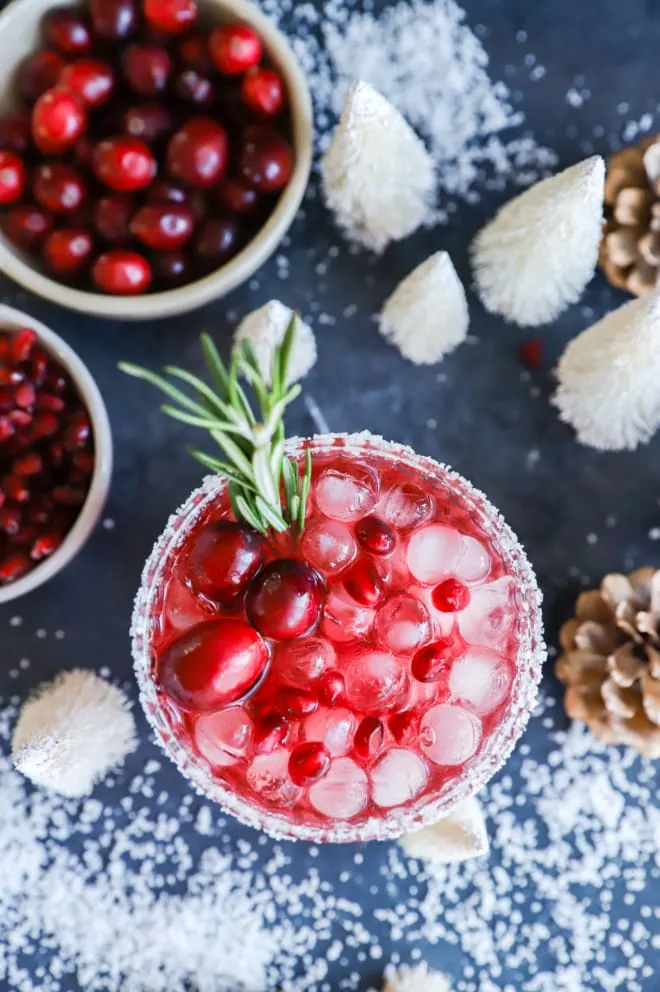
(609, 378)
(417, 978)
(59, 635)
(24, 664)
(72, 732)
(41, 633)
(108, 524)
(431, 423)
(654, 533)
(15, 621)
(265, 328)
(426, 316)
(204, 822)
(532, 458)
(540, 251)
(610, 520)
(377, 176)
(458, 836)
(592, 538)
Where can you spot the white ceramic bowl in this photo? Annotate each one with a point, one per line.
(11, 319)
(20, 35)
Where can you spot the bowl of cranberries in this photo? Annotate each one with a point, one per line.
(153, 153)
(55, 454)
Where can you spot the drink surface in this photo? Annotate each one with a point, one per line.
(396, 690)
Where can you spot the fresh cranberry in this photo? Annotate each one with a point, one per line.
(531, 353)
(265, 159)
(26, 226)
(150, 122)
(12, 177)
(147, 68)
(369, 737)
(223, 558)
(15, 132)
(308, 763)
(296, 702)
(13, 567)
(284, 600)
(450, 596)
(89, 79)
(198, 152)
(194, 87)
(112, 217)
(122, 273)
(67, 252)
(404, 727)
(68, 31)
(163, 225)
(331, 688)
(235, 48)
(432, 662)
(375, 536)
(164, 191)
(216, 241)
(213, 664)
(39, 73)
(193, 52)
(171, 268)
(124, 164)
(113, 20)
(58, 120)
(171, 16)
(236, 196)
(364, 584)
(58, 188)
(263, 92)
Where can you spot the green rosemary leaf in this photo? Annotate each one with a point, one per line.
(271, 515)
(276, 463)
(257, 384)
(204, 390)
(249, 356)
(290, 479)
(285, 351)
(165, 387)
(222, 468)
(263, 477)
(209, 423)
(245, 405)
(215, 365)
(304, 489)
(244, 510)
(234, 453)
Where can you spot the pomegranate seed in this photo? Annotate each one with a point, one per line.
(57, 379)
(124, 164)
(308, 763)
(198, 152)
(331, 688)
(262, 92)
(12, 177)
(147, 68)
(10, 520)
(16, 132)
(7, 429)
(10, 377)
(234, 195)
(84, 462)
(122, 273)
(223, 557)
(369, 737)
(26, 536)
(171, 16)
(67, 252)
(45, 545)
(39, 368)
(284, 599)
(235, 48)
(91, 80)
(296, 702)
(38, 74)
(58, 120)
(49, 402)
(6, 400)
(271, 731)
(68, 496)
(432, 662)
(364, 583)
(20, 418)
(375, 536)
(77, 432)
(404, 727)
(56, 454)
(45, 425)
(213, 664)
(22, 344)
(450, 596)
(68, 31)
(113, 20)
(26, 226)
(25, 395)
(15, 489)
(27, 465)
(531, 353)
(265, 159)
(163, 226)
(150, 122)
(13, 567)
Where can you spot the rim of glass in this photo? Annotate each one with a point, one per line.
(397, 821)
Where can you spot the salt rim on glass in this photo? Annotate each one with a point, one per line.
(397, 821)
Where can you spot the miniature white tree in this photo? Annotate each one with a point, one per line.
(456, 837)
(415, 978)
(265, 328)
(540, 251)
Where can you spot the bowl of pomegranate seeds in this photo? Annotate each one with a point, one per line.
(153, 153)
(55, 454)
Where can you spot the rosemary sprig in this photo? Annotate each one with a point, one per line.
(252, 442)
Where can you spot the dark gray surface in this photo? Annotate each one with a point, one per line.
(489, 413)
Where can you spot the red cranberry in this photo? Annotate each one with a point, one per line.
(164, 191)
(331, 688)
(235, 196)
(375, 536)
(89, 79)
(171, 268)
(15, 132)
(67, 252)
(223, 557)
(150, 122)
(68, 31)
(113, 20)
(58, 120)
(235, 48)
(369, 737)
(163, 225)
(450, 596)
(12, 177)
(58, 188)
(308, 763)
(124, 164)
(296, 702)
(39, 73)
(217, 240)
(432, 662)
(122, 273)
(193, 52)
(198, 152)
(112, 217)
(266, 159)
(404, 727)
(364, 584)
(170, 16)
(194, 87)
(263, 92)
(285, 599)
(13, 567)
(213, 664)
(147, 68)
(26, 226)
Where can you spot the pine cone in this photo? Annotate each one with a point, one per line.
(611, 661)
(630, 249)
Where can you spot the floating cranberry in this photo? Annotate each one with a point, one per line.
(113, 20)
(223, 558)
(89, 79)
(235, 48)
(375, 536)
(432, 662)
(236, 196)
(308, 763)
(67, 252)
(198, 152)
(171, 16)
(284, 600)
(213, 664)
(164, 191)
(122, 273)
(263, 92)
(58, 120)
(217, 240)
(67, 30)
(331, 688)
(15, 132)
(450, 596)
(171, 268)
(39, 73)
(369, 737)
(193, 52)
(12, 177)
(58, 188)
(150, 122)
(124, 164)
(163, 226)
(296, 702)
(265, 159)
(112, 218)
(194, 87)
(364, 584)
(147, 68)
